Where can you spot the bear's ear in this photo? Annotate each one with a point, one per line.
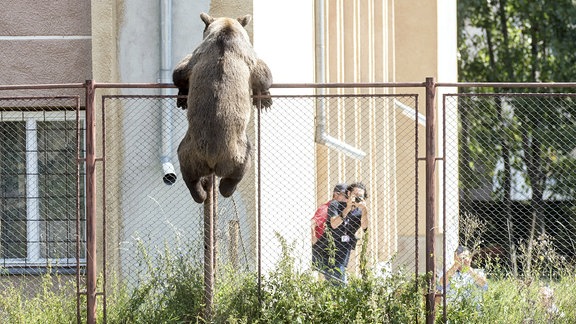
(206, 18)
(244, 20)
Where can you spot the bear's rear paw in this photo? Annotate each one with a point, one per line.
(199, 188)
(228, 186)
(199, 196)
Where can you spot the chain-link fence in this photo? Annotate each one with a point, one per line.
(504, 187)
(291, 177)
(42, 222)
(516, 178)
(515, 190)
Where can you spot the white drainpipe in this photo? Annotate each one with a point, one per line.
(169, 177)
(321, 136)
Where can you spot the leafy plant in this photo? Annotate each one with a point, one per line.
(52, 302)
(170, 290)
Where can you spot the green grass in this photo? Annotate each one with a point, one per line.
(170, 290)
(53, 301)
(519, 301)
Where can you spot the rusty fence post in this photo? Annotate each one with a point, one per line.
(91, 276)
(430, 199)
(259, 205)
(209, 251)
(79, 163)
(214, 225)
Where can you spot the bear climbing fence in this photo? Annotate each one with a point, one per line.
(92, 193)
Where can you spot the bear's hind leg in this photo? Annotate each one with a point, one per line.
(229, 182)
(196, 189)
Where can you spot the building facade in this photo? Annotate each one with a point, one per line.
(331, 41)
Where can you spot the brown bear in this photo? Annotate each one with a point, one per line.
(218, 78)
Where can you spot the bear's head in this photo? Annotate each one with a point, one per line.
(220, 25)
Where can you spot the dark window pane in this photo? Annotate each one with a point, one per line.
(57, 168)
(12, 190)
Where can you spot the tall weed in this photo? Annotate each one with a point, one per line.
(53, 301)
(170, 289)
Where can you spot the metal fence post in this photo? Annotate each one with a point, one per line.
(430, 198)
(90, 203)
(209, 250)
(259, 205)
(79, 162)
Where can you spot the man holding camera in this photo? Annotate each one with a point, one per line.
(345, 218)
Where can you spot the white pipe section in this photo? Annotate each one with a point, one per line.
(319, 68)
(169, 177)
(321, 137)
(410, 112)
(338, 145)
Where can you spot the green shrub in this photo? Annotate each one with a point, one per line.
(170, 289)
(292, 296)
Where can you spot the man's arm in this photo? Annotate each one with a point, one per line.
(450, 273)
(337, 219)
(479, 278)
(314, 238)
(318, 220)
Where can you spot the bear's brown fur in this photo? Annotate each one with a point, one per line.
(218, 78)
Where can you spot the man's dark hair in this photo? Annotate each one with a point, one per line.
(340, 188)
(359, 185)
(461, 249)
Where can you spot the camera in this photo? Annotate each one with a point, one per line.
(359, 199)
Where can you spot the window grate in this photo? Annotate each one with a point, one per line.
(38, 185)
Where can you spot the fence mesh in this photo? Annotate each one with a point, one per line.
(368, 139)
(516, 179)
(152, 220)
(42, 221)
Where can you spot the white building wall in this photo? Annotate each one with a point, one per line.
(153, 212)
(284, 39)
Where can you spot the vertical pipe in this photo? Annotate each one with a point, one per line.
(90, 203)
(320, 68)
(208, 252)
(430, 198)
(32, 192)
(444, 207)
(169, 176)
(213, 227)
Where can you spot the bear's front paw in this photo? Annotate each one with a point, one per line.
(262, 100)
(182, 103)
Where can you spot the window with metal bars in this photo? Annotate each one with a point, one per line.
(42, 190)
